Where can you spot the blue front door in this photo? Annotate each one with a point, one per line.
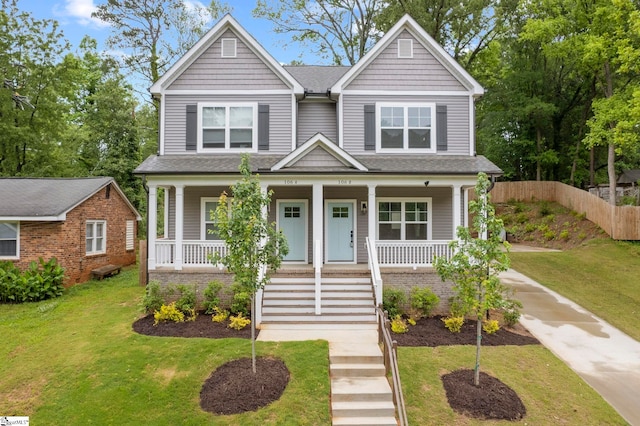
(292, 217)
(340, 232)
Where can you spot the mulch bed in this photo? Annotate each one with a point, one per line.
(201, 327)
(432, 332)
(233, 388)
(491, 400)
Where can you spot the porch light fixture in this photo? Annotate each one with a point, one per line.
(426, 183)
(363, 207)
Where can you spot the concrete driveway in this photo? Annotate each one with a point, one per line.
(606, 358)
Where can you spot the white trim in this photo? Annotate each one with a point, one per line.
(408, 23)
(152, 226)
(179, 227)
(167, 196)
(224, 92)
(161, 124)
(412, 93)
(472, 128)
(406, 149)
(94, 224)
(403, 222)
(17, 255)
(227, 142)
(306, 225)
(294, 122)
(130, 235)
(354, 213)
(62, 216)
(231, 45)
(340, 122)
(227, 22)
(319, 140)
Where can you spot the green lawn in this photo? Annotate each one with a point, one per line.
(602, 276)
(76, 360)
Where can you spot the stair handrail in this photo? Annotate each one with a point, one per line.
(374, 267)
(317, 266)
(390, 355)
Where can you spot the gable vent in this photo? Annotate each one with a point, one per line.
(405, 48)
(229, 47)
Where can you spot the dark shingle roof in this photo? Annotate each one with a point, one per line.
(45, 197)
(317, 78)
(378, 164)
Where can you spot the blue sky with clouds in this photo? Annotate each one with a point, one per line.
(75, 21)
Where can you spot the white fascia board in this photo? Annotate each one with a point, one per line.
(227, 22)
(406, 22)
(319, 140)
(163, 99)
(60, 217)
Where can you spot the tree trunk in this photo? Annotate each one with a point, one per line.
(539, 149)
(611, 171)
(476, 372)
(253, 333)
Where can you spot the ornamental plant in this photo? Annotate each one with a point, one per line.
(238, 322)
(168, 313)
(453, 323)
(399, 325)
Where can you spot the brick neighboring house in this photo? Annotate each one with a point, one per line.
(85, 223)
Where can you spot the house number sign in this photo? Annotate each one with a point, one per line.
(344, 181)
(290, 182)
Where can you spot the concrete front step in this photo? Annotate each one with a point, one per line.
(364, 421)
(358, 389)
(353, 369)
(363, 409)
(340, 309)
(324, 318)
(314, 326)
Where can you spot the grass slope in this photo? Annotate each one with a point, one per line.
(76, 360)
(602, 276)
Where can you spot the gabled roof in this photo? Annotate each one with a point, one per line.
(227, 22)
(409, 24)
(319, 141)
(49, 199)
(317, 78)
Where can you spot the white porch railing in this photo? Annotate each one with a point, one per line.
(411, 253)
(374, 267)
(194, 253)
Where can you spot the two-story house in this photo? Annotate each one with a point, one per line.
(382, 152)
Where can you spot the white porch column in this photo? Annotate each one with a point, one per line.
(371, 216)
(152, 227)
(466, 208)
(177, 262)
(167, 195)
(318, 208)
(456, 208)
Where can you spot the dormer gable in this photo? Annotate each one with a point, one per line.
(319, 152)
(405, 37)
(224, 41)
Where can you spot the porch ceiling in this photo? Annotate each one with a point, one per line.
(376, 164)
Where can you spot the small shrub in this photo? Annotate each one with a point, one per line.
(423, 300)
(392, 301)
(399, 325)
(168, 313)
(522, 218)
(219, 315)
(530, 227)
(549, 235)
(490, 326)
(453, 323)
(545, 209)
(211, 298)
(582, 235)
(40, 281)
(153, 298)
(238, 322)
(411, 321)
(543, 227)
(187, 300)
(511, 317)
(549, 218)
(241, 303)
(564, 235)
(627, 200)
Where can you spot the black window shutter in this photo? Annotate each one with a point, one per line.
(263, 127)
(192, 128)
(370, 127)
(441, 127)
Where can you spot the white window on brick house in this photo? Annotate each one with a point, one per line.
(9, 240)
(130, 240)
(96, 236)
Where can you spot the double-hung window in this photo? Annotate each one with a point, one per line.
(209, 228)
(9, 238)
(404, 219)
(231, 127)
(96, 236)
(406, 127)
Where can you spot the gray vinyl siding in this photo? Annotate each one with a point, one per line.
(314, 117)
(317, 158)
(280, 114)
(457, 120)
(210, 71)
(388, 72)
(441, 205)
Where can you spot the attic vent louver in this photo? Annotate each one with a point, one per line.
(229, 47)
(405, 48)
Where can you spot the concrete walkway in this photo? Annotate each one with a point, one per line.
(602, 355)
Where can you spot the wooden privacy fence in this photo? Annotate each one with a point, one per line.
(620, 222)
